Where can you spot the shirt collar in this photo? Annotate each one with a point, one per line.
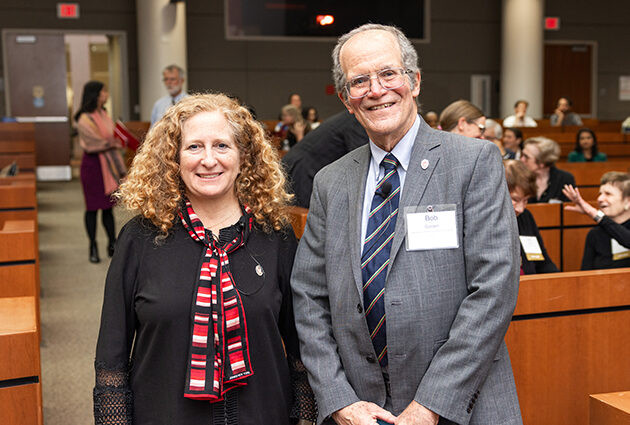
(402, 150)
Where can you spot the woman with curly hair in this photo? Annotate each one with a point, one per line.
(197, 322)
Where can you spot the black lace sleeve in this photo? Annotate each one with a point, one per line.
(113, 400)
(304, 404)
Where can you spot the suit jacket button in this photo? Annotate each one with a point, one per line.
(469, 410)
(359, 308)
(371, 359)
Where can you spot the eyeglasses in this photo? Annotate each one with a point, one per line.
(389, 79)
(482, 128)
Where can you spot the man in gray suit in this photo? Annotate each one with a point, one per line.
(438, 203)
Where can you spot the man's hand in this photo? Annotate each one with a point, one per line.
(362, 413)
(417, 414)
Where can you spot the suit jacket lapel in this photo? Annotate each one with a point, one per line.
(426, 149)
(355, 178)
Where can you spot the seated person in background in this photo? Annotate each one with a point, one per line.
(494, 133)
(563, 116)
(311, 116)
(607, 244)
(462, 117)
(586, 148)
(520, 118)
(337, 136)
(540, 155)
(522, 185)
(432, 119)
(295, 100)
(512, 141)
(294, 127)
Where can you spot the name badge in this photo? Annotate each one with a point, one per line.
(532, 248)
(619, 252)
(431, 227)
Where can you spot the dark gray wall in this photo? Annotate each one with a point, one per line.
(606, 23)
(465, 39)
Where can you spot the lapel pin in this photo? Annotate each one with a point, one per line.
(424, 164)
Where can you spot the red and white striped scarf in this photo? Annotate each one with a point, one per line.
(218, 365)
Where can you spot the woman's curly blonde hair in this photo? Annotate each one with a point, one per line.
(154, 187)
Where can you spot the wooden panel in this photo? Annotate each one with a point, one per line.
(589, 193)
(546, 215)
(551, 239)
(139, 128)
(9, 215)
(53, 143)
(609, 409)
(559, 361)
(17, 146)
(573, 241)
(25, 161)
(573, 291)
(17, 194)
(22, 176)
(19, 340)
(41, 64)
(570, 218)
(589, 174)
(24, 131)
(21, 405)
(18, 280)
(559, 58)
(609, 126)
(298, 220)
(18, 241)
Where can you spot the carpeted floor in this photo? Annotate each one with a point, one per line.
(71, 297)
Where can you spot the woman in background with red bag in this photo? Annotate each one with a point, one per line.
(102, 165)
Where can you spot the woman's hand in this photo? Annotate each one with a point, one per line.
(581, 206)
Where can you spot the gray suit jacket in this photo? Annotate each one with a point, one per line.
(447, 310)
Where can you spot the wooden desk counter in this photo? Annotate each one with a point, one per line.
(569, 338)
(610, 408)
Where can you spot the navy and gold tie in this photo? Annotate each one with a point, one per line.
(376, 249)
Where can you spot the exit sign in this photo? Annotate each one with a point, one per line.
(552, 23)
(68, 10)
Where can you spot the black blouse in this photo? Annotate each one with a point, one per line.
(598, 250)
(143, 344)
(527, 227)
(557, 179)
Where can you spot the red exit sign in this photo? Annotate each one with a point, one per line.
(68, 10)
(552, 23)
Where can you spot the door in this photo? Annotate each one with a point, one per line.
(569, 73)
(35, 84)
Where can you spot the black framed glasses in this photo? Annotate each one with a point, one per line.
(482, 128)
(389, 79)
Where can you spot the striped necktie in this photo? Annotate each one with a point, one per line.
(376, 249)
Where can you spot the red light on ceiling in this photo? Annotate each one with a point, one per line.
(324, 20)
(552, 24)
(68, 10)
